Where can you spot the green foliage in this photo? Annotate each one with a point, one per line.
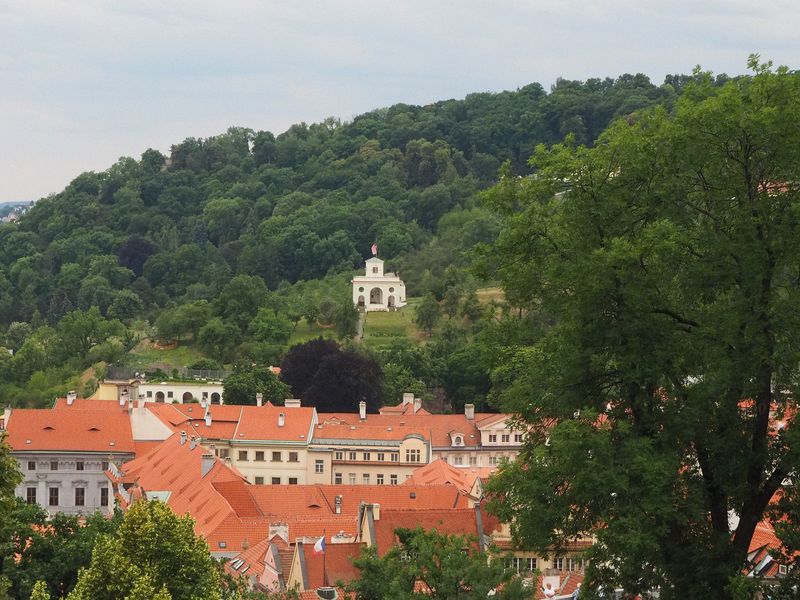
(427, 564)
(654, 276)
(427, 313)
(242, 386)
(218, 338)
(40, 591)
(153, 554)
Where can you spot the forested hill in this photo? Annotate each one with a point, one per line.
(294, 206)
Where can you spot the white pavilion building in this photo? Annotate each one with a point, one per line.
(376, 290)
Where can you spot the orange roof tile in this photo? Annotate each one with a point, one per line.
(338, 564)
(86, 404)
(441, 473)
(262, 423)
(70, 431)
(449, 522)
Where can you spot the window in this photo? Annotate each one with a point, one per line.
(259, 481)
(393, 479)
(337, 478)
(351, 477)
(104, 465)
(782, 570)
(79, 465)
(338, 456)
(518, 438)
(457, 460)
(224, 452)
(379, 479)
(558, 563)
(319, 466)
(104, 496)
(458, 441)
(276, 457)
(473, 461)
(492, 461)
(366, 455)
(365, 478)
(169, 394)
(294, 457)
(374, 269)
(395, 456)
(259, 455)
(523, 564)
(381, 456)
(574, 564)
(30, 495)
(31, 465)
(205, 395)
(53, 496)
(276, 481)
(352, 456)
(292, 480)
(492, 438)
(412, 455)
(54, 465)
(80, 496)
(242, 454)
(505, 438)
(531, 563)
(150, 394)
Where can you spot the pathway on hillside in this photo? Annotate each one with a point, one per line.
(360, 327)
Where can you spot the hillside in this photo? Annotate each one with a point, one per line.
(247, 221)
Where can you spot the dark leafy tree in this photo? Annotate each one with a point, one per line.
(344, 379)
(301, 362)
(242, 386)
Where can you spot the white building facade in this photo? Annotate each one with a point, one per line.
(377, 290)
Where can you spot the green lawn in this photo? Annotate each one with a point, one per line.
(303, 333)
(384, 327)
(145, 356)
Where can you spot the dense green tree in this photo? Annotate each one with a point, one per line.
(667, 258)
(218, 338)
(242, 386)
(427, 564)
(427, 313)
(270, 326)
(153, 554)
(346, 319)
(84, 329)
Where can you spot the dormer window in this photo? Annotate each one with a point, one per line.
(457, 439)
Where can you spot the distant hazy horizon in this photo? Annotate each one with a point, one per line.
(84, 83)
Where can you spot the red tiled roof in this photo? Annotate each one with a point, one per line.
(449, 522)
(441, 473)
(86, 404)
(317, 500)
(143, 447)
(569, 582)
(261, 423)
(338, 563)
(69, 430)
(252, 561)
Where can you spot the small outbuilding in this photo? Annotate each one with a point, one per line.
(376, 290)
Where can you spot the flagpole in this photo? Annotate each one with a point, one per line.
(324, 565)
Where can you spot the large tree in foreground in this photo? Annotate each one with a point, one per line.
(668, 257)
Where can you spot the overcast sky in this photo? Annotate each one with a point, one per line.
(83, 82)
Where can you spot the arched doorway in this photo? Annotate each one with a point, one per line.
(376, 296)
(159, 396)
(215, 398)
(361, 301)
(187, 396)
(390, 302)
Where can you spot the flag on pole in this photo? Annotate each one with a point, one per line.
(374, 250)
(319, 547)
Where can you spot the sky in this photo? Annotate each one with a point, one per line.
(84, 82)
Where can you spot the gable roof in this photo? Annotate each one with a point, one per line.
(337, 563)
(262, 423)
(440, 472)
(68, 430)
(447, 522)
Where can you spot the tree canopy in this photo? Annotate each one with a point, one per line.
(660, 379)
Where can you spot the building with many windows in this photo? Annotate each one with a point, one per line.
(64, 455)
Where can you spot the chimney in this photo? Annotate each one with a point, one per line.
(203, 402)
(362, 410)
(408, 398)
(206, 464)
(208, 418)
(192, 442)
(281, 420)
(71, 396)
(259, 399)
(183, 437)
(376, 512)
(123, 398)
(469, 411)
(6, 416)
(279, 529)
(291, 403)
(130, 406)
(338, 504)
(417, 404)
